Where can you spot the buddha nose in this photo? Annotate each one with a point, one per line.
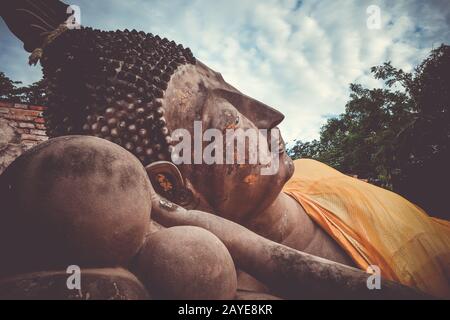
(263, 116)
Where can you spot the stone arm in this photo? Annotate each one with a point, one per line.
(289, 273)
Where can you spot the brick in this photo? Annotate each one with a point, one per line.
(4, 111)
(37, 108)
(23, 131)
(27, 125)
(39, 120)
(40, 126)
(4, 104)
(38, 132)
(28, 137)
(19, 118)
(29, 144)
(33, 142)
(13, 124)
(20, 106)
(27, 113)
(33, 137)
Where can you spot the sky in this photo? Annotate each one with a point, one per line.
(296, 56)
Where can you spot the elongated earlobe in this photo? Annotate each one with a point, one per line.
(169, 183)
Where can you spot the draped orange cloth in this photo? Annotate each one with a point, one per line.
(376, 226)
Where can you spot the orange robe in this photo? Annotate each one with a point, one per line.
(376, 226)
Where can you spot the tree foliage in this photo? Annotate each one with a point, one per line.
(397, 136)
(8, 88)
(11, 91)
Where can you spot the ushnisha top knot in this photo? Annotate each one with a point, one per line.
(110, 85)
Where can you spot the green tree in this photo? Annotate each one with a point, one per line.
(305, 150)
(8, 89)
(12, 91)
(423, 145)
(33, 94)
(397, 136)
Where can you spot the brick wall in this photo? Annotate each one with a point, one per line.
(27, 120)
(21, 127)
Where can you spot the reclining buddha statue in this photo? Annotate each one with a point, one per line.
(306, 226)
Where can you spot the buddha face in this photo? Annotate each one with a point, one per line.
(199, 97)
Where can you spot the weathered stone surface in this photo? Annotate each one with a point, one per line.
(72, 200)
(33, 137)
(10, 145)
(248, 295)
(20, 106)
(23, 111)
(38, 132)
(7, 105)
(187, 263)
(26, 125)
(37, 108)
(96, 284)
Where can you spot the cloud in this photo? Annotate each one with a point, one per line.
(14, 59)
(298, 56)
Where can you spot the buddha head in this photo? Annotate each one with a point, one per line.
(198, 100)
(139, 91)
(136, 89)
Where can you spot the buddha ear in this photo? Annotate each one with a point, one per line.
(168, 182)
